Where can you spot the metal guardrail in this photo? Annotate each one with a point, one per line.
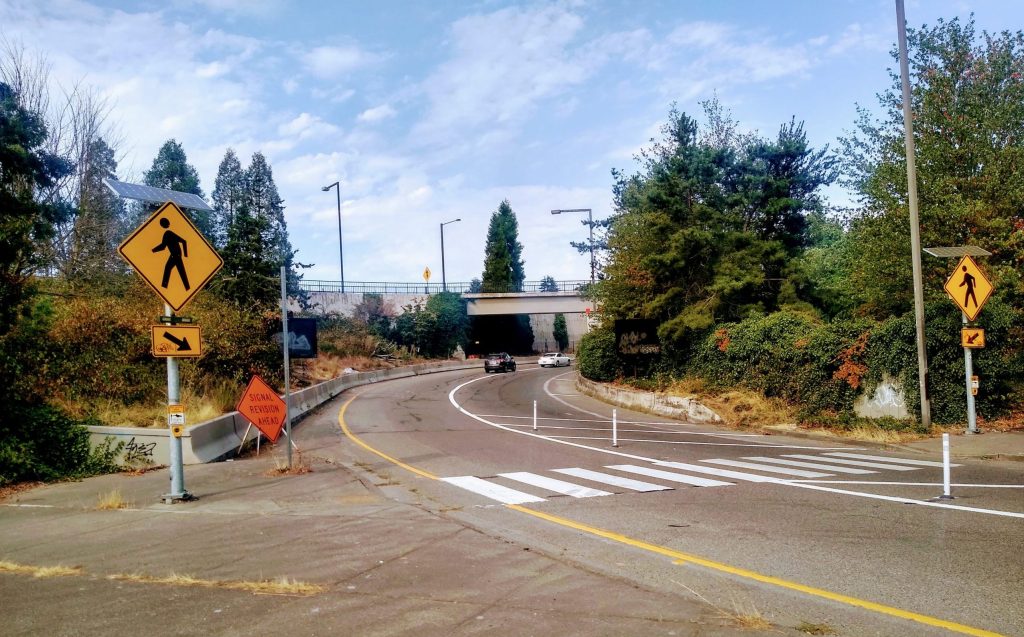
(461, 287)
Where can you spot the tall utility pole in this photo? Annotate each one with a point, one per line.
(341, 252)
(590, 223)
(444, 281)
(915, 226)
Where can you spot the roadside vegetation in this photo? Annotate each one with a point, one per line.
(757, 285)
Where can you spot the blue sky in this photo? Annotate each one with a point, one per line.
(431, 111)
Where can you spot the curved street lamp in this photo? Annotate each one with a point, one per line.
(590, 223)
(444, 283)
(341, 253)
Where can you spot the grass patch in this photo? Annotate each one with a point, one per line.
(816, 629)
(111, 501)
(40, 571)
(738, 407)
(280, 586)
(744, 615)
(299, 466)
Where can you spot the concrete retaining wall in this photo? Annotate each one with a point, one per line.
(214, 439)
(686, 409)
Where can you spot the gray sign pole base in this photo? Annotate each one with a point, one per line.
(171, 498)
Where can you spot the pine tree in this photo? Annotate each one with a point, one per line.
(99, 223)
(228, 192)
(503, 264)
(172, 171)
(25, 222)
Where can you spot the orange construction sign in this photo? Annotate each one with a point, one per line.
(261, 406)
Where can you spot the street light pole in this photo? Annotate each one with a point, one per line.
(444, 281)
(341, 252)
(590, 223)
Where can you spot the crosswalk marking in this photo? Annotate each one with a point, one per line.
(615, 481)
(856, 463)
(492, 491)
(861, 456)
(724, 473)
(810, 465)
(551, 484)
(671, 476)
(760, 467)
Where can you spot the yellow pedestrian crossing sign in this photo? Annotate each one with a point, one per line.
(968, 287)
(426, 274)
(171, 255)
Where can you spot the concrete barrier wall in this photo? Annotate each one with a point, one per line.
(214, 439)
(686, 409)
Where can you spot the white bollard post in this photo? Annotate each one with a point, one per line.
(946, 491)
(535, 415)
(615, 428)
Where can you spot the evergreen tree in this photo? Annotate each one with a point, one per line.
(561, 332)
(99, 224)
(25, 222)
(171, 170)
(503, 272)
(503, 264)
(548, 284)
(228, 193)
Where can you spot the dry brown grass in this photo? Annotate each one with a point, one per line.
(744, 614)
(738, 407)
(40, 571)
(281, 586)
(111, 501)
(299, 465)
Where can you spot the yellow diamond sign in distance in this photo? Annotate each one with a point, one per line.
(173, 257)
(968, 287)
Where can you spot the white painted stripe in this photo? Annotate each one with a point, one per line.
(670, 476)
(914, 484)
(760, 467)
(856, 463)
(811, 465)
(667, 442)
(615, 481)
(492, 491)
(724, 473)
(861, 456)
(551, 484)
(636, 431)
(927, 503)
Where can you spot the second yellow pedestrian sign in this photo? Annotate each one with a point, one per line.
(968, 287)
(173, 257)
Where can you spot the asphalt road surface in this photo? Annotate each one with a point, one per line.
(832, 537)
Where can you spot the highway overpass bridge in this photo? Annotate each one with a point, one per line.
(540, 306)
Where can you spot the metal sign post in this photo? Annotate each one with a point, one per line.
(972, 418)
(287, 365)
(174, 413)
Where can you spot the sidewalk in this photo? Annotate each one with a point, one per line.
(991, 445)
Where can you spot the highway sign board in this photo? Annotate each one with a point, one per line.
(972, 337)
(968, 287)
(261, 406)
(180, 341)
(171, 255)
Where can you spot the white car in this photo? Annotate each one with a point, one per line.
(554, 359)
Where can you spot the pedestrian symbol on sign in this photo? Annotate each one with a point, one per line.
(177, 248)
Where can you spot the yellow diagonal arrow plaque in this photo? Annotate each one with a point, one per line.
(173, 257)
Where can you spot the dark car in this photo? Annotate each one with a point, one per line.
(499, 363)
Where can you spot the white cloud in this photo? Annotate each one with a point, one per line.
(305, 126)
(370, 115)
(330, 62)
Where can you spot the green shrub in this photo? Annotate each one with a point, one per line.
(596, 357)
(39, 442)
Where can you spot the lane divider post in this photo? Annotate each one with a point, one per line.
(946, 491)
(615, 428)
(535, 415)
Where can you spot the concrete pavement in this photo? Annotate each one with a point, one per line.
(387, 561)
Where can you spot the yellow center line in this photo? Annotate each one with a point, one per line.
(682, 558)
(353, 438)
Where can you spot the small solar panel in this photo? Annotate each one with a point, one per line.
(150, 194)
(957, 251)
